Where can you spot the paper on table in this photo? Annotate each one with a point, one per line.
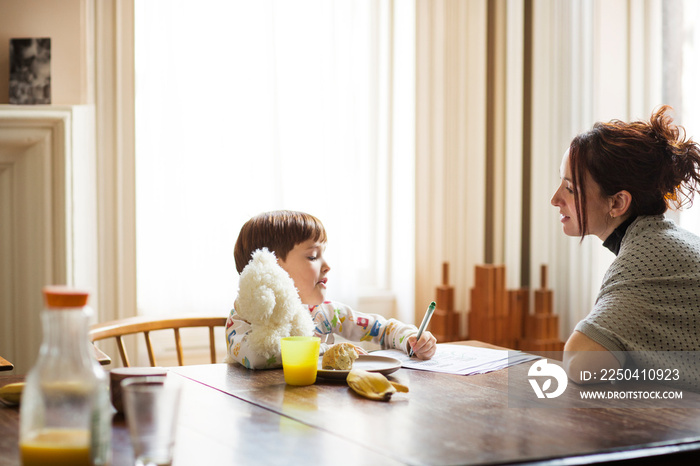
(461, 359)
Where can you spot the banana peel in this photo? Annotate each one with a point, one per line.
(373, 385)
(11, 394)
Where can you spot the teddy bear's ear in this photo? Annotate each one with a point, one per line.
(302, 324)
(263, 256)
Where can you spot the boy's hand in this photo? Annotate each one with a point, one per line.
(425, 347)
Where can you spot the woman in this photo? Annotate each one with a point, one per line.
(617, 181)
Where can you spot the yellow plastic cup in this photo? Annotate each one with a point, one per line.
(300, 359)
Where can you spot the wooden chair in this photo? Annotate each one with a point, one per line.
(133, 325)
(5, 365)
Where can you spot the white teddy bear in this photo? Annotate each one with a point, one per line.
(269, 301)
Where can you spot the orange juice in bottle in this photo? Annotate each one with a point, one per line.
(65, 417)
(58, 447)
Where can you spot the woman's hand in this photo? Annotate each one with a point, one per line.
(425, 347)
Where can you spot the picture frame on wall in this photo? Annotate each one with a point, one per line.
(30, 71)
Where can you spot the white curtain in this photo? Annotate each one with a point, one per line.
(578, 47)
(687, 23)
(249, 106)
(655, 58)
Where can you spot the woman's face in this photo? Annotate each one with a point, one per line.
(598, 206)
(307, 267)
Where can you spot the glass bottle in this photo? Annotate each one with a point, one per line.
(65, 415)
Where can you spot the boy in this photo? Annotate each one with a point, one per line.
(299, 241)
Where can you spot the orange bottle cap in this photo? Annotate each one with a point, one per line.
(58, 296)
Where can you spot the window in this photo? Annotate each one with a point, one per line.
(682, 64)
(244, 107)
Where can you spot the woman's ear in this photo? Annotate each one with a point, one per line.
(621, 203)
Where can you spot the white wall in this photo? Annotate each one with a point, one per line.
(69, 25)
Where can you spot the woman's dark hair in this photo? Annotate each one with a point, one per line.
(651, 160)
(279, 231)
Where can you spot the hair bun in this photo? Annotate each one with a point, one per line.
(679, 159)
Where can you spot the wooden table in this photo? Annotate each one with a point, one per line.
(216, 429)
(233, 415)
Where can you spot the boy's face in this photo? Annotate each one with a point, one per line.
(307, 267)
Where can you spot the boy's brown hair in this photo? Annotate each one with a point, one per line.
(278, 231)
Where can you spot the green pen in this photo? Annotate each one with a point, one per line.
(426, 319)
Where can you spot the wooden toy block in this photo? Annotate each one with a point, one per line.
(445, 293)
(544, 298)
(446, 322)
(502, 317)
(518, 306)
(541, 327)
(553, 326)
(445, 325)
(438, 324)
(485, 288)
(475, 331)
(498, 328)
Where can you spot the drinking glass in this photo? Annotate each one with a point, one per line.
(151, 405)
(300, 359)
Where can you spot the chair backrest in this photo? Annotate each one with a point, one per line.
(5, 365)
(119, 328)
